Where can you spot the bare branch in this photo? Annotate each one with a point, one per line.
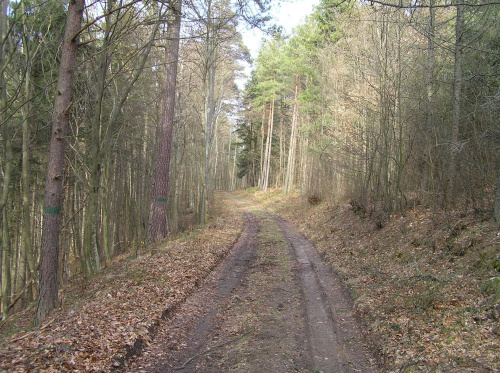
(400, 5)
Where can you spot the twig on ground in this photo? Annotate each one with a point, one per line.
(208, 350)
(22, 337)
(20, 295)
(47, 324)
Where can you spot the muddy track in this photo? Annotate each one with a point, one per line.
(271, 306)
(334, 336)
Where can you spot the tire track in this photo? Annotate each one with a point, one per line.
(194, 321)
(335, 340)
(245, 320)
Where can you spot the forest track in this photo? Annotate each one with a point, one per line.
(271, 306)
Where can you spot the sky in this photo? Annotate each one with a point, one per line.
(288, 13)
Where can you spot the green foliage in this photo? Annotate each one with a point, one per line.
(247, 157)
(496, 265)
(269, 71)
(327, 17)
(491, 287)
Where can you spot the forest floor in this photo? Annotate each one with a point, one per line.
(272, 306)
(101, 323)
(247, 292)
(425, 285)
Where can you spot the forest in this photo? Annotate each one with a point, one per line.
(119, 119)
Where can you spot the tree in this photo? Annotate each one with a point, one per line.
(7, 171)
(49, 259)
(268, 88)
(102, 128)
(158, 212)
(457, 98)
(290, 169)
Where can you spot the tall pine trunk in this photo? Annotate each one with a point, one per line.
(158, 211)
(269, 143)
(262, 137)
(290, 169)
(49, 265)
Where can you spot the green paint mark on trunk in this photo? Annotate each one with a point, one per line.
(52, 210)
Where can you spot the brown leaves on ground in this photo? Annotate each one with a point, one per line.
(119, 310)
(426, 285)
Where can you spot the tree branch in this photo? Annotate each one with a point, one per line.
(399, 5)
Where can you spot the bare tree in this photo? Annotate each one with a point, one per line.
(457, 98)
(6, 172)
(290, 168)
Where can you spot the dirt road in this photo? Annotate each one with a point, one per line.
(271, 306)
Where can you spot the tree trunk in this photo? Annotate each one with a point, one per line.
(262, 136)
(457, 97)
(290, 168)
(269, 143)
(158, 211)
(209, 124)
(90, 262)
(25, 250)
(26, 256)
(48, 297)
(6, 172)
(428, 166)
(233, 174)
(6, 265)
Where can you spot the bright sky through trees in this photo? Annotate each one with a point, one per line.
(288, 14)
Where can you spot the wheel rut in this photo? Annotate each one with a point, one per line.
(335, 340)
(271, 306)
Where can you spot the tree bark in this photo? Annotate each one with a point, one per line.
(209, 116)
(428, 167)
(269, 143)
(262, 136)
(48, 297)
(290, 169)
(497, 192)
(26, 256)
(6, 276)
(158, 211)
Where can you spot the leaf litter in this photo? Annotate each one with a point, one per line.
(425, 285)
(103, 322)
